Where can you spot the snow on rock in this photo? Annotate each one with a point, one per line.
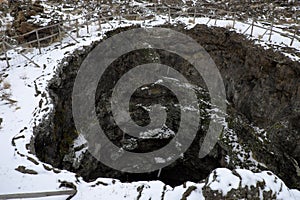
(223, 180)
(244, 184)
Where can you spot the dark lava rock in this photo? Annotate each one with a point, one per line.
(29, 17)
(23, 170)
(262, 88)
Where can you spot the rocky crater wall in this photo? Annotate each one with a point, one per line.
(262, 88)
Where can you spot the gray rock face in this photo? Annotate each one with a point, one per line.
(262, 87)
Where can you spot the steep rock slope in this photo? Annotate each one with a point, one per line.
(262, 89)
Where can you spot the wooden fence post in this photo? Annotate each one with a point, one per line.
(59, 35)
(99, 22)
(194, 20)
(272, 23)
(215, 17)
(76, 25)
(247, 29)
(4, 49)
(292, 41)
(38, 194)
(87, 24)
(252, 27)
(208, 20)
(38, 41)
(30, 60)
(169, 19)
(69, 19)
(271, 30)
(295, 30)
(62, 29)
(267, 29)
(234, 19)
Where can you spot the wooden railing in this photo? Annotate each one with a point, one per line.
(38, 194)
(170, 12)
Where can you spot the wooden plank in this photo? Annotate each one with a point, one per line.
(38, 29)
(265, 32)
(60, 36)
(38, 41)
(77, 30)
(252, 27)
(87, 24)
(202, 14)
(48, 37)
(295, 30)
(234, 19)
(107, 21)
(206, 8)
(4, 49)
(267, 29)
(155, 7)
(99, 22)
(42, 28)
(271, 30)
(30, 60)
(68, 34)
(208, 20)
(166, 9)
(195, 11)
(120, 16)
(169, 15)
(247, 29)
(37, 194)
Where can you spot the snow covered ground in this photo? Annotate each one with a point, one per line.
(25, 99)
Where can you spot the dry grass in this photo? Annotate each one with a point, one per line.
(6, 85)
(229, 26)
(5, 93)
(191, 21)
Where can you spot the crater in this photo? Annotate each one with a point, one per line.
(262, 89)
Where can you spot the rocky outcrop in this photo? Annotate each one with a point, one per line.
(243, 184)
(262, 89)
(29, 17)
